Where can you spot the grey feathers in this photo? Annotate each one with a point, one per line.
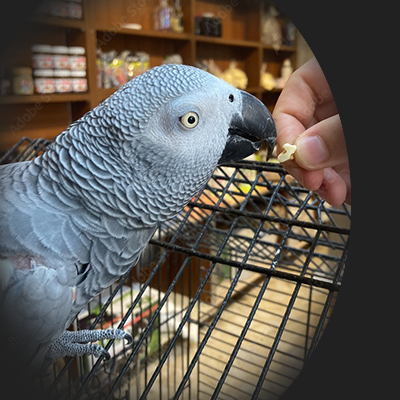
(97, 195)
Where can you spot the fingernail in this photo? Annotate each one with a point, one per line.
(311, 150)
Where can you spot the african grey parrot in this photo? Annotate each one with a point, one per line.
(76, 218)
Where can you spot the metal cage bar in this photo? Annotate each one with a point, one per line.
(229, 299)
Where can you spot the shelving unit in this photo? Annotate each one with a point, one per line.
(104, 25)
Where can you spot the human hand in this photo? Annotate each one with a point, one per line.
(306, 115)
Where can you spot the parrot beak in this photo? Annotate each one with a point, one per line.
(249, 130)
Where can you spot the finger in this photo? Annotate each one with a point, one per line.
(305, 100)
(324, 111)
(311, 180)
(322, 146)
(344, 173)
(288, 129)
(333, 188)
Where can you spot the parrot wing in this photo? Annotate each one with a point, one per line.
(33, 215)
(36, 293)
(50, 266)
(33, 306)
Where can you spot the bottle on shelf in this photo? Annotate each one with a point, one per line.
(162, 16)
(286, 70)
(177, 17)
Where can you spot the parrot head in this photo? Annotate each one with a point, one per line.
(174, 113)
(207, 115)
(164, 132)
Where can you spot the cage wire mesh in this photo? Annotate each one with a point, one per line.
(228, 301)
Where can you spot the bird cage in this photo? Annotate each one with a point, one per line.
(228, 301)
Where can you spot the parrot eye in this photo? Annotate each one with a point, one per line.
(190, 120)
(231, 98)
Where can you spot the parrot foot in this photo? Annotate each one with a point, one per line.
(77, 344)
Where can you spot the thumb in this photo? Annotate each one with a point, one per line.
(322, 146)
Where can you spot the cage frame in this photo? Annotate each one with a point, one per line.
(205, 211)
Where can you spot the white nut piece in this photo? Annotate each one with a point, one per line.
(287, 153)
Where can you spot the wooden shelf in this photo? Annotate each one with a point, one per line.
(57, 21)
(147, 33)
(260, 90)
(107, 92)
(275, 90)
(226, 42)
(45, 98)
(255, 90)
(287, 49)
(86, 97)
(102, 94)
(187, 36)
(106, 25)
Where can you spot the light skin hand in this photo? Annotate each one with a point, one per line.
(306, 115)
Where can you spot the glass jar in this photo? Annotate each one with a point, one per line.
(60, 57)
(74, 9)
(42, 56)
(5, 82)
(62, 81)
(79, 81)
(22, 82)
(58, 8)
(77, 58)
(44, 81)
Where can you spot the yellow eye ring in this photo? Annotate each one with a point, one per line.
(190, 120)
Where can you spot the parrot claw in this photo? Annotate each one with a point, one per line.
(128, 338)
(105, 354)
(77, 344)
